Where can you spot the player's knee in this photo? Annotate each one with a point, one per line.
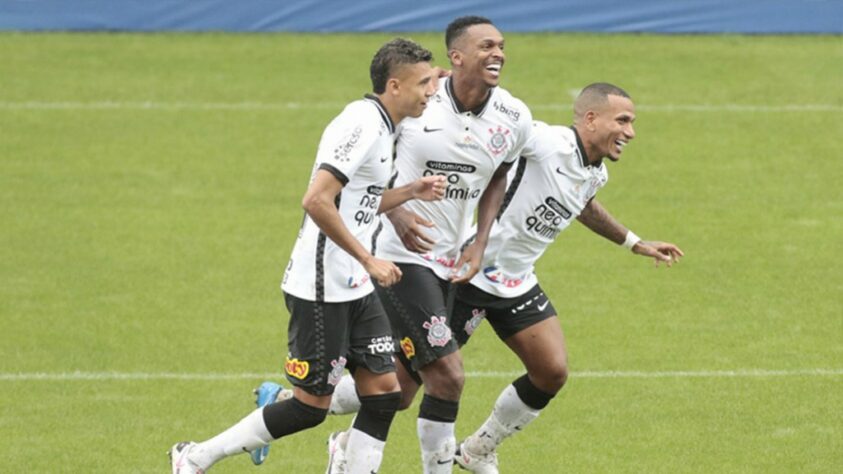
(291, 416)
(376, 413)
(406, 400)
(380, 407)
(387, 385)
(444, 378)
(558, 377)
(552, 376)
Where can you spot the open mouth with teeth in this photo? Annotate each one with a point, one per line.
(494, 69)
(620, 144)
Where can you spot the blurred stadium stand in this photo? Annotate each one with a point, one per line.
(657, 16)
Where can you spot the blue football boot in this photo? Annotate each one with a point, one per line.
(264, 395)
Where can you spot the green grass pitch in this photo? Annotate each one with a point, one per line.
(150, 189)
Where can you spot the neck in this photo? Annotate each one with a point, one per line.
(390, 108)
(470, 93)
(591, 153)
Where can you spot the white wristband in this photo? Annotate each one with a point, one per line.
(631, 240)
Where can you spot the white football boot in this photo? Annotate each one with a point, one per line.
(478, 464)
(179, 460)
(336, 453)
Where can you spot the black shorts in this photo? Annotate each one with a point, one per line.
(418, 310)
(324, 338)
(506, 315)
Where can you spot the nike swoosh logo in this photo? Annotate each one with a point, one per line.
(444, 462)
(383, 160)
(559, 170)
(428, 130)
(543, 305)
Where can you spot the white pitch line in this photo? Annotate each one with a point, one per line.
(258, 106)
(105, 376)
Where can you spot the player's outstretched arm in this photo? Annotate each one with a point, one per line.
(660, 251)
(597, 218)
(318, 202)
(487, 209)
(428, 188)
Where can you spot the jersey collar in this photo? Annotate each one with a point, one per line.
(384, 115)
(581, 149)
(458, 107)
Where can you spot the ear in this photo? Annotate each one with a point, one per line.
(455, 57)
(590, 118)
(393, 85)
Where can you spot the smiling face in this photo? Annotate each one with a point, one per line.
(613, 127)
(603, 117)
(478, 53)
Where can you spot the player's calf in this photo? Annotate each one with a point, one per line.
(367, 438)
(518, 405)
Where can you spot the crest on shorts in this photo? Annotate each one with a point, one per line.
(438, 332)
(296, 368)
(408, 348)
(336, 371)
(477, 316)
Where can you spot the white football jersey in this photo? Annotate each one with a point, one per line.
(466, 147)
(356, 147)
(548, 189)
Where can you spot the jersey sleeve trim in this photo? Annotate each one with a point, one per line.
(334, 171)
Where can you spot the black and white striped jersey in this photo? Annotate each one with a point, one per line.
(551, 189)
(356, 148)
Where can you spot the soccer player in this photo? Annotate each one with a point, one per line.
(471, 133)
(336, 319)
(558, 175)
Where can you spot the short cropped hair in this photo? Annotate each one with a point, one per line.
(594, 95)
(392, 55)
(604, 89)
(457, 27)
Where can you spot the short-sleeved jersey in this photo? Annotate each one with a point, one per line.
(356, 148)
(466, 146)
(548, 189)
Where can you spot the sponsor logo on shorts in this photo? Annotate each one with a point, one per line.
(337, 367)
(528, 303)
(297, 368)
(477, 316)
(382, 345)
(408, 348)
(438, 332)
